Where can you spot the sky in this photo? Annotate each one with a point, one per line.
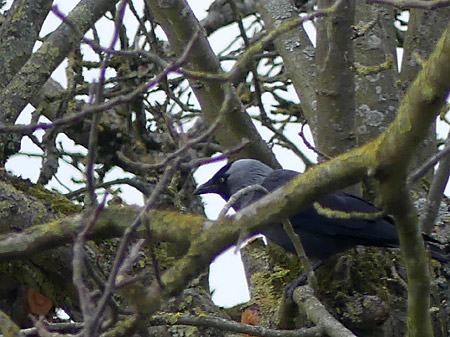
(227, 278)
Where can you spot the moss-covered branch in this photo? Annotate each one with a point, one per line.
(165, 226)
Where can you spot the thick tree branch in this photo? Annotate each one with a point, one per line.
(297, 52)
(420, 106)
(335, 88)
(180, 24)
(398, 203)
(417, 112)
(425, 27)
(227, 325)
(44, 61)
(18, 34)
(165, 226)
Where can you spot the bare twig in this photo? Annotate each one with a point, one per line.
(84, 294)
(207, 160)
(188, 145)
(175, 154)
(318, 314)
(91, 197)
(70, 327)
(433, 203)
(309, 145)
(92, 322)
(273, 34)
(264, 118)
(128, 262)
(89, 110)
(199, 321)
(397, 277)
(235, 197)
(429, 164)
(308, 269)
(138, 184)
(153, 257)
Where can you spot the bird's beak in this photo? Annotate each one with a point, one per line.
(208, 187)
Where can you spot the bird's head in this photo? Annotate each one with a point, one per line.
(235, 176)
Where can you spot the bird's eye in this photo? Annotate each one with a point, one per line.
(222, 180)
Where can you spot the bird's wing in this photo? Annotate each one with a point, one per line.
(317, 218)
(342, 214)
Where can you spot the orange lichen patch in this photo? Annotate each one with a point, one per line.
(250, 316)
(38, 304)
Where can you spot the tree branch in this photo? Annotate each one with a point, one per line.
(433, 203)
(318, 314)
(44, 61)
(210, 94)
(408, 4)
(165, 226)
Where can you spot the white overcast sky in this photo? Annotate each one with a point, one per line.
(226, 274)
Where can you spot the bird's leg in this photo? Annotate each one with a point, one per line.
(299, 281)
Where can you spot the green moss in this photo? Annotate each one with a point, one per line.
(122, 327)
(27, 274)
(268, 285)
(8, 327)
(370, 70)
(164, 256)
(368, 273)
(56, 200)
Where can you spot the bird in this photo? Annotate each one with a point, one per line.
(322, 234)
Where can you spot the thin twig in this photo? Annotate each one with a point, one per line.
(275, 33)
(110, 285)
(306, 264)
(91, 197)
(309, 145)
(141, 186)
(429, 164)
(337, 214)
(211, 129)
(235, 197)
(84, 294)
(199, 321)
(309, 270)
(112, 103)
(431, 208)
(153, 257)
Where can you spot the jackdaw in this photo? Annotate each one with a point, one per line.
(322, 235)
